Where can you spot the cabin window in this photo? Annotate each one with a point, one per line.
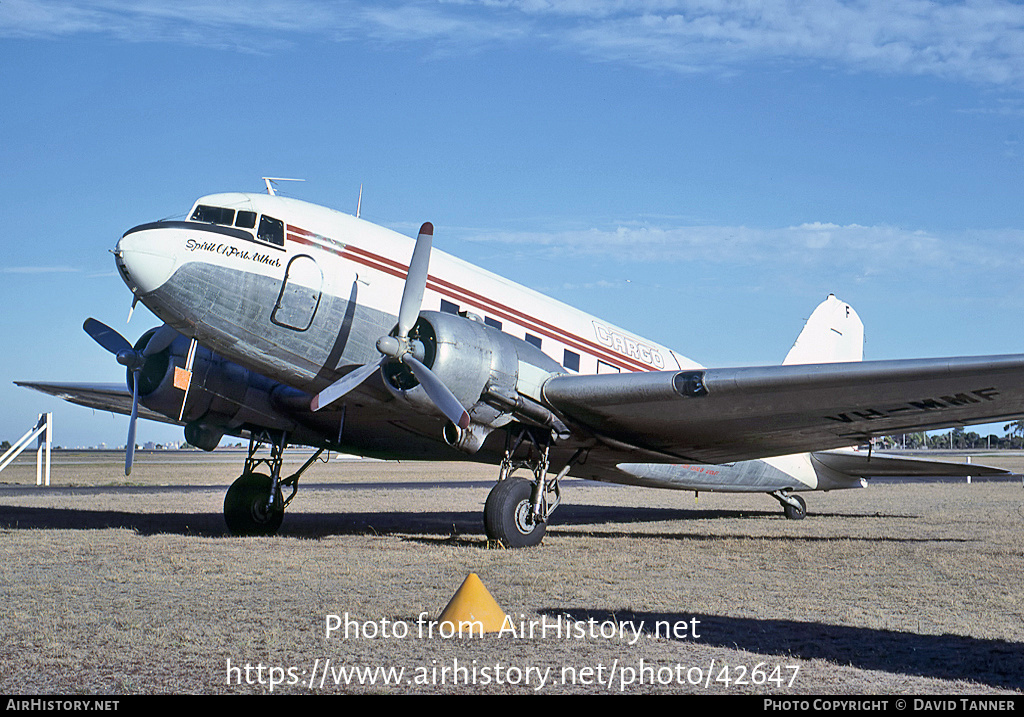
(271, 230)
(493, 323)
(448, 307)
(214, 215)
(571, 361)
(535, 340)
(245, 220)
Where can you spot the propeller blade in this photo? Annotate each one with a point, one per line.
(343, 385)
(415, 281)
(129, 451)
(106, 337)
(163, 338)
(183, 377)
(440, 394)
(126, 354)
(398, 346)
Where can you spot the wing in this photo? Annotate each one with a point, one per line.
(103, 396)
(732, 414)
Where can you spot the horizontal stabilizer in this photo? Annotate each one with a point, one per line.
(861, 464)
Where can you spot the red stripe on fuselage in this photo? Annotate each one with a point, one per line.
(462, 295)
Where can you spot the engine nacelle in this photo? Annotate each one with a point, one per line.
(479, 364)
(222, 396)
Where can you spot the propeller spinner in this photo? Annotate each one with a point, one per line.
(134, 360)
(400, 346)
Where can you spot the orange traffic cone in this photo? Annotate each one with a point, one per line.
(470, 608)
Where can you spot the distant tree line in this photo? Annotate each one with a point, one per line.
(958, 439)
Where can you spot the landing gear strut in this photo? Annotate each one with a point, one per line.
(254, 504)
(793, 506)
(517, 509)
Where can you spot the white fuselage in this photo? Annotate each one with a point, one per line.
(345, 249)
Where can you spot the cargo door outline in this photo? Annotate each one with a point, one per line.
(300, 294)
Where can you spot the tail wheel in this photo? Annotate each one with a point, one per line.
(795, 512)
(245, 506)
(507, 514)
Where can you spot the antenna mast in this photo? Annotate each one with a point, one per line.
(271, 181)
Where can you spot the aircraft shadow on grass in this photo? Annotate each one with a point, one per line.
(997, 663)
(419, 525)
(312, 525)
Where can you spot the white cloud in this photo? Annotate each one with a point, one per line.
(233, 24)
(977, 41)
(868, 249)
(38, 270)
(974, 40)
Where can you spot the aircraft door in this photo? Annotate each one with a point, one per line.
(300, 294)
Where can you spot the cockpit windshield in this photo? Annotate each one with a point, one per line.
(270, 230)
(214, 215)
(246, 220)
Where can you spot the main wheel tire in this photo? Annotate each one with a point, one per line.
(792, 512)
(506, 514)
(245, 506)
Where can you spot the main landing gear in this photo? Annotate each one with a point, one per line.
(517, 509)
(793, 506)
(254, 504)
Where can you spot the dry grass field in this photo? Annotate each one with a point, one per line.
(110, 585)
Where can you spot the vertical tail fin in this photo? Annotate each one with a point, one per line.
(833, 334)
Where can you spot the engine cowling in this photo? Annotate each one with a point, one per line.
(222, 397)
(488, 370)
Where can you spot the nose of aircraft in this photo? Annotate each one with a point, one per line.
(145, 259)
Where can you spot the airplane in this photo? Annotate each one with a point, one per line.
(289, 323)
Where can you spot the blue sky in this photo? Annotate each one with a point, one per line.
(703, 173)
